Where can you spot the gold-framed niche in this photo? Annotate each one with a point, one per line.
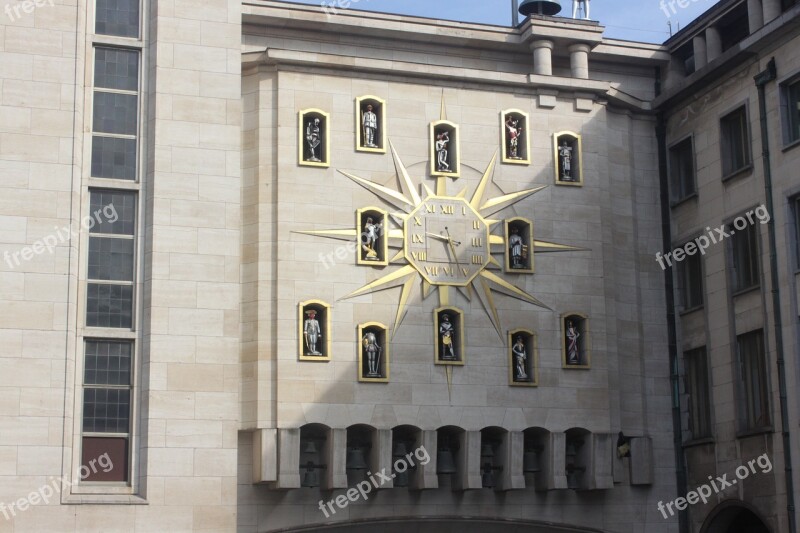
(568, 144)
(523, 358)
(309, 312)
(448, 349)
(378, 145)
(314, 129)
(445, 133)
(373, 337)
(519, 252)
(579, 357)
(515, 138)
(371, 253)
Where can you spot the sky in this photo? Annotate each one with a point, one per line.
(633, 20)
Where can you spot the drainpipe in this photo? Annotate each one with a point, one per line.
(761, 79)
(515, 13)
(666, 237)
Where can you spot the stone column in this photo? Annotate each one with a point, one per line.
(468, 462)
(542, 57)
(700, 53)
(509, 456)
(713, 43)
(265, 455)
(579, 60)
(425, 475)
(755, 15)
(380, 457)
(336, 459)
(772, 10)
(289, 458)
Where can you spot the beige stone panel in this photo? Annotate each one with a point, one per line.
(34, 41)
(200, 58)
(24, 431)
(171, 462)
(38, 460)
(210, 348)
(217, 189)
(51, 122)
(173, 348)
(193, 434)
(17, 66)
(218, 241)
(8, 460)
(217, 518)
(175, 240)
(14, 174)
(197, 267)
(218, 85)
(219, 136)
(182, 130)
(12, 284)
(199, 161)
(50, 176)
(195, 110)
(205, 378)
(173, 293)
(154, 518)
(43, 344)
(29, 147)
(15, 120)
(215, 405)
(41, 402)
(10, 401)
(106, 518)
(193, 491)
(172, 405)
(217, 11)
(45, 288)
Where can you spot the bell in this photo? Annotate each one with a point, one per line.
(573, 479)
(356, 459)
(444, 462)
(400, 449)
(530, 462)
(540, 7)
(310, 447)
(487, 479)
(487, 451)
(310, 477)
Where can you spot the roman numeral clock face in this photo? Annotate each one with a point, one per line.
(446, 241)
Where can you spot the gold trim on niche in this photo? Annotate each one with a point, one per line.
(382, 124)
(326, 331)
(384, 240)
(533, 355)
(326, 138)
(526, 144)
(384, 354)
(459, 336)
(529, 243)
(586, 341)
(453, 142)
(577, 137)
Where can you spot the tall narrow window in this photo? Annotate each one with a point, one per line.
(681, 169)
(107, 409)
(754, 382)
(735, 141)
(744, 248)
(796, 211)
(111, 259)
(698, 394)
(791, 105)
(116, 116)
(119, 18)
(690, 281)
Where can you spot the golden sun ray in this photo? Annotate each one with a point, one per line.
(386, 282)
(341, 234)
(393, 197)
(402, 171)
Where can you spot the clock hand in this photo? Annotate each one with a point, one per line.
(457, 243)
(437, 236)
(453, 248)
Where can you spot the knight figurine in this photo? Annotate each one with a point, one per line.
(447, 335)
(369, 122)
(312, 332)
(373, 352)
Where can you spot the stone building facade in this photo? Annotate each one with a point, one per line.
(167, 215)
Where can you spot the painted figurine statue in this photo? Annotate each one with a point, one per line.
(373, 352)
(447, 334)
(580, 5)
(313, 137)
(517, 249)
(520, 359)
(573, 352)
(370, 124)
(442, 151)
(312, 332)
(565, 154)
(372, 232)
(514, 135)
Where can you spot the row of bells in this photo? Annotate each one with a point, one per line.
(540, 7)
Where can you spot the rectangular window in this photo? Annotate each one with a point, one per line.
(107, 390)
(698, 394)
(796, 212)
(116, 113)
(735, 142)
(791, 101)
(111, 259)
(119, 18)
(690, 281)
(753, 375)
(744, 249)
(681, 166)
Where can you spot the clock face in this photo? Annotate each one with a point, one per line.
(446, 241)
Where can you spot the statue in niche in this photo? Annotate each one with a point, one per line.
(573, 352)
(520, 359)
(372, 232)
(312, 332)
(565, 155)
(314, 139)
(442, 152)
(514, 135)
(369, 122)
(447, 334)
(373, 352)
(517, 248)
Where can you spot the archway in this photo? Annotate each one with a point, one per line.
(734, 517)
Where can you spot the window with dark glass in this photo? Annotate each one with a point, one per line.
(744, 249)
(791, 98)
(681, 167)
(690, 281)
(698, 393)
(754, 381)
(735, 141)
(116, 113)
(119, 18)
(107, 379)
(796, 211)
(111, 259)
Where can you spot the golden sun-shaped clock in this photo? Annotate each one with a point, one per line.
(446, 242)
